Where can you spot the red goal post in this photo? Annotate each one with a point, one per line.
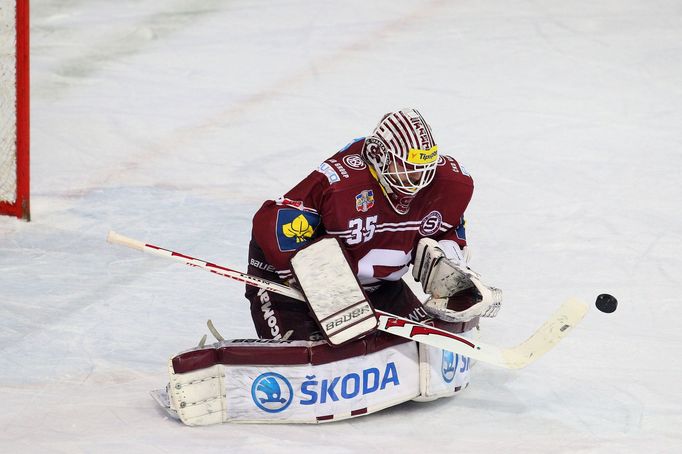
(14, 108)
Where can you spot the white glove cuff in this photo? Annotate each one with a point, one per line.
(453, 252)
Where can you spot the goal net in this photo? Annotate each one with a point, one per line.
(14, 109)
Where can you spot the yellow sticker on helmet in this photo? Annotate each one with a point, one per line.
(423, 156)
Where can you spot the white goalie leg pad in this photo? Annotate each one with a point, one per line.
(333, 292)
(198, 397)
(290, 381)
(442, 373)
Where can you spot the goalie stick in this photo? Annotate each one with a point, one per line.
(521, 355)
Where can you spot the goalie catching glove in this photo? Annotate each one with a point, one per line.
(457, 293)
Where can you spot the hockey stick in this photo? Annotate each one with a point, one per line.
(521, 355)
(540, 342)
(116, 238)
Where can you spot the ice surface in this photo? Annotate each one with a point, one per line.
(171, 121)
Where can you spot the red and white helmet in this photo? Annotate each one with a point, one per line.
(403, 156)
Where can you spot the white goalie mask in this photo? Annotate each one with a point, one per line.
(403, 156)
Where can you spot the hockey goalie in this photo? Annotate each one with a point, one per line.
(345, 237)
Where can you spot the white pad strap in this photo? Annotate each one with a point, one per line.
(333, 292)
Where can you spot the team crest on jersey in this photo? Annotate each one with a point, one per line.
(364, 201)
(295, 228)
(431, 223)
(354, 161)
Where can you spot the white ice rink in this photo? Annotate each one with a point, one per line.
(171, 122)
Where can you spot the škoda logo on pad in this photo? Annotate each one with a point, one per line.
(271, 392)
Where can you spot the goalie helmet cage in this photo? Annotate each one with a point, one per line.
(14, 108)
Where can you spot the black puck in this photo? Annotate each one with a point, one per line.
(606, 303)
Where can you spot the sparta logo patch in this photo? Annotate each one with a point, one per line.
(431, 223)
(354, 161)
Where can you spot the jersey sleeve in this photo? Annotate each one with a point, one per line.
(282, 226)
(457, 233)
(459, 189)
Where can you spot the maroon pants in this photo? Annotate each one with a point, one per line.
(275, 315)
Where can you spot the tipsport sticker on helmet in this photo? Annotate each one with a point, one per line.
(295, 228)
(423, 156)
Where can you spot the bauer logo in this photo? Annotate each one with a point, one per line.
(347, 318)
(271, 392)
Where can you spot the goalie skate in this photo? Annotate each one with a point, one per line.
(161, 398)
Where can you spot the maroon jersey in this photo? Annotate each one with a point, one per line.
(343, 199)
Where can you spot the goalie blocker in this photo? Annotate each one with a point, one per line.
(333, 293)
(276, 381)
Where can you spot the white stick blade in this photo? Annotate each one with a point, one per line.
(549, 334)
(116, 238)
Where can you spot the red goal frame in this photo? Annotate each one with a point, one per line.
(21, 206)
